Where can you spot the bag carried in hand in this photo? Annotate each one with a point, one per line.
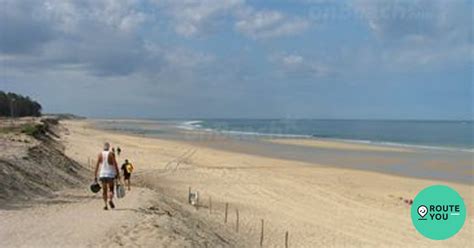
(120, 189)
(95, 187)
(129, 168)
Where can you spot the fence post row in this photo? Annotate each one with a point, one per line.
(237, 222)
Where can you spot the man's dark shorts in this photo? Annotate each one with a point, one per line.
(126, 176)
(107, 179)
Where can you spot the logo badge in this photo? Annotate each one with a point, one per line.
(438, 212)
(422, 211)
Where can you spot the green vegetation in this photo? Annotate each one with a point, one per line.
(32, 129)
(7, 130)
(14, 105)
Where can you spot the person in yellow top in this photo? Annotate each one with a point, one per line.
(127, 168)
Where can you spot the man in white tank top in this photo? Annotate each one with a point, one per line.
(107, 171)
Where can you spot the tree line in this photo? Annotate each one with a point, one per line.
(15, 105)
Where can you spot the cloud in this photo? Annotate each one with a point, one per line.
(269, 24)
(164, 54)
(401, 19)
(100, 37)
(197, 17)
(420, 32)
(107, 38)
(23, 27)
(184, 58)
(292, 60)
(295, 65)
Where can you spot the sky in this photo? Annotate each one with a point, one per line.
(361, 59)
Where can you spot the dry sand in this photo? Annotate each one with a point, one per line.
(318, 205)
(74, 218)
(45, 202)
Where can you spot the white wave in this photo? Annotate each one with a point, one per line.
(192, 122)
(195, 125)
(190, 125)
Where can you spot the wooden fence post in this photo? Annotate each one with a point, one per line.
(286, 239)
(197, 201)
(261, 233)
(237, 221)
(189, 193)
(210, 205)
(226, 209)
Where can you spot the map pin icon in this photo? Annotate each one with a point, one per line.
(422, 211)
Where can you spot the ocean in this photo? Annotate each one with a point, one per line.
(423, 134)
(439, 150)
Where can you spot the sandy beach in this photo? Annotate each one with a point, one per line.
(317, 204)
(291, 123)
(337, 145)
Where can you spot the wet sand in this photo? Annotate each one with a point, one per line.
(443, 165)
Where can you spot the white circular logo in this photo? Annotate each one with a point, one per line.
(422, 211)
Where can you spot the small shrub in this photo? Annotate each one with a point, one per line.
(33, 129)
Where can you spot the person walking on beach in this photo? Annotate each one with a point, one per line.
(107, 171)
(119, 151)
(127, 168)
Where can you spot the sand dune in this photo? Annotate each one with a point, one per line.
(31, 215)
(32, 167)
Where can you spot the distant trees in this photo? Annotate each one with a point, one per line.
(15, 105)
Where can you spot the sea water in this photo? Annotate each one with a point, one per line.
(438, 149)
(429, 134)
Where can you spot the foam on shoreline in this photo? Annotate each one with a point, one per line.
(197, 126)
